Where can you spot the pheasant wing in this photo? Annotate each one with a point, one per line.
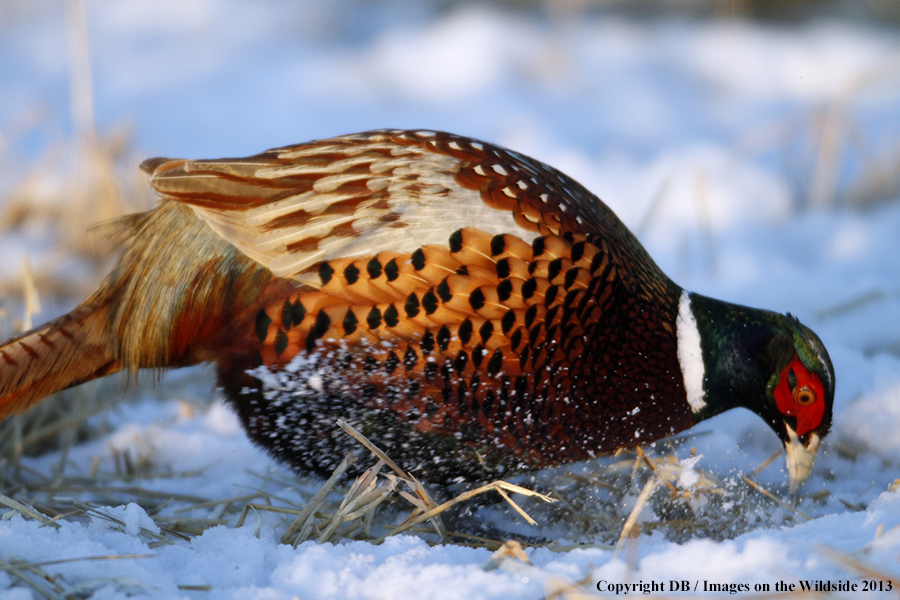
(292, 208)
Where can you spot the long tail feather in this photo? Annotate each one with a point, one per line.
(69, 350)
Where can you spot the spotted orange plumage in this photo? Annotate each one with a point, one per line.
(471, 309)
(484, 340)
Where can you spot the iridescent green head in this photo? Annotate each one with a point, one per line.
(767, 362)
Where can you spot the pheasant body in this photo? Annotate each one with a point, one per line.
(528, 369)
(472, 310)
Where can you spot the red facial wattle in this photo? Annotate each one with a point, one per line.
(800, 394)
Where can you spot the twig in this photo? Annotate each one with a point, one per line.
(44, 563)
(630, 522)
(462, 498)
(316, 501)
(772, 496)
(26, 510)
(767, 462)
(370, 446)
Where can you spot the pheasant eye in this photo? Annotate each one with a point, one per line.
(804, 396)
(799, 393)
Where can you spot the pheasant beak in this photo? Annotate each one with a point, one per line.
(800, 458)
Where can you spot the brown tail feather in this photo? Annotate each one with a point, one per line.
(69, 350)
(175, 288)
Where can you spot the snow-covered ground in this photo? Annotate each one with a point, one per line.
(758, 164)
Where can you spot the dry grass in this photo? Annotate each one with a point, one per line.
(64, 204)
(332, 517)
(611, 502)
(604, 504)
(608, 502)
(828, 154)
(69, 197)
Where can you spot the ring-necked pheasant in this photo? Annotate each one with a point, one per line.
(469, 308)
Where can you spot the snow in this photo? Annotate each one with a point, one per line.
(703, 136)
